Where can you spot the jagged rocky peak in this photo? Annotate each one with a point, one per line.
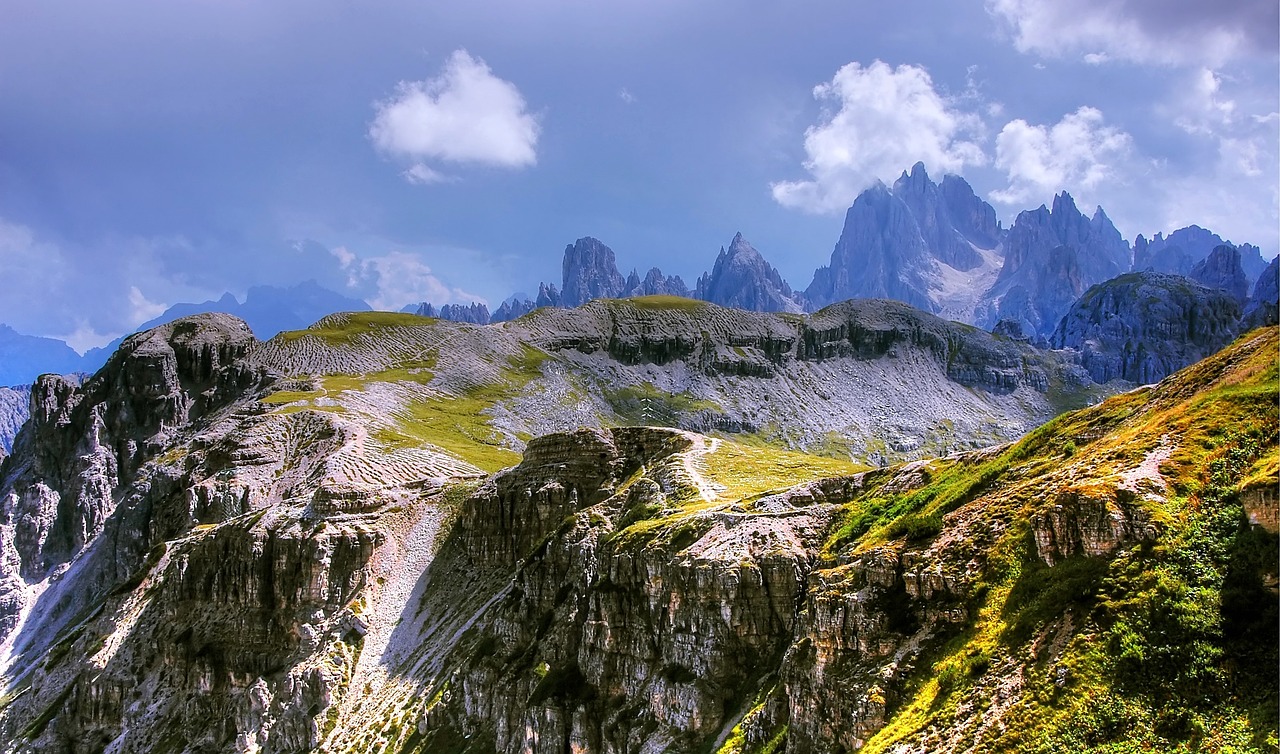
(590, 271)
(1251, 262)
(1051, 257)
(934, 220)
(655, 283)
(512, 308)
(934, 246)
(548, 295)
(474, 313)
(1222, 270)
(742, 279)
(880, 254)
(971, 216)
(81, 441)
(1144, 326)
(1264, 304)
(1175, 254)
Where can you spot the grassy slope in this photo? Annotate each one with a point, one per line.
(1167, 646)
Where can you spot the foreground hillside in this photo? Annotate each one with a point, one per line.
(221, 545)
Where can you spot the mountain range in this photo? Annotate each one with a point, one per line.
(936, 246)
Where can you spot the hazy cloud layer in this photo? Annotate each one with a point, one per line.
(466, 115)
(877, 121)
(391, 281)
(1078, 152)
(1144, 31)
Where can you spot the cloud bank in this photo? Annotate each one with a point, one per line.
(1166, 32)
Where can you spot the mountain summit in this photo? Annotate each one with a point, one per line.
(934, 247)
(590, 271)
(742, 279)
(1051, 257)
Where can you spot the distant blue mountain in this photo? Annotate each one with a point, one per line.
(25, 357)
(267, 309)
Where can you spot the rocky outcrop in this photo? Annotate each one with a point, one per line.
(1089, 524)
(83, 443)
(742, 279)
(1143, 326)
(1221, 270)
(1051, 257)
(932, 213)
(512, 309)
(548, 295)
(1264, 304)
(629, 636)
(741, 345)
(970, 215)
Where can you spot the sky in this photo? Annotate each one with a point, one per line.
(153, 152)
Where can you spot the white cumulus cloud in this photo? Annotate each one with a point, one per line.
(879, 120)
(1170, 32)
(1078, 152)
(466, 115)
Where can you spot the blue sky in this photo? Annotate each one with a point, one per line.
(155, 152)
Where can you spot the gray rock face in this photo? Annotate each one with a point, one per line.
(970, 216)
(548, 295)
(896, 242)
(475, 313)
(512, 310)
(1177, 253)
(880, 254)
(82, 440)
(742, 279)
(1143, 326)
(1051, 257)
(656, 284)
(1264, 304)
(1251, 262)
(933, 217)
(590, 271)
(1221, 270)
(13, 413)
